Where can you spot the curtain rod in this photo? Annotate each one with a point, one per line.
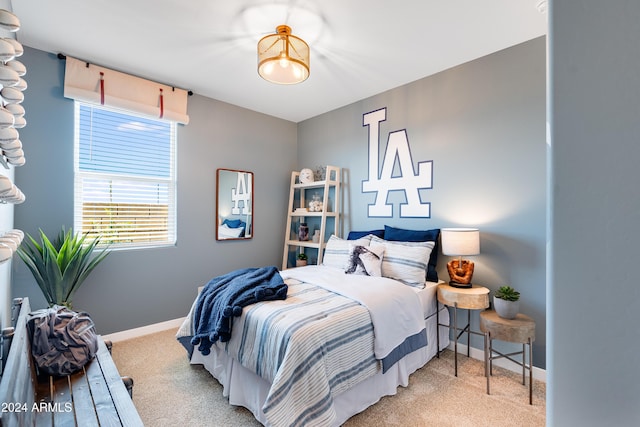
(63, 56)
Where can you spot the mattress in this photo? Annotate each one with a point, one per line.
(428, 297)
(244, 388)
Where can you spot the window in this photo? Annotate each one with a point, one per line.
(125, 184)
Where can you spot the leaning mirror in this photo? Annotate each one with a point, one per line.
(234, 210)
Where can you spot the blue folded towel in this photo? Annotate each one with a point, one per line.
(224, 297)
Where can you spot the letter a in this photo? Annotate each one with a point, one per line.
(406, 180)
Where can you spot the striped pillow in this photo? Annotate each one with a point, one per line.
(405, 261)
(336, 253)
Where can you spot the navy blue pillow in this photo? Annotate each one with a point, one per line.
(233, 223)
(401, 235)
(355, 235)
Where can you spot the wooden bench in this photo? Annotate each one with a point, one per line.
(94, 396)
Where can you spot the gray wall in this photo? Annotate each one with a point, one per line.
(594, 215)
(483, 126)
(140, 287)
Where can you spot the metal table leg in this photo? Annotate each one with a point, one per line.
(530, 372)
(486, 359)
(437, 329)
(455, 337)
(524, 364)
(468, 327)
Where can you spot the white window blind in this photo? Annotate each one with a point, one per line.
(125, 186)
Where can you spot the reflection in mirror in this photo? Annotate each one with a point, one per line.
(234, 198)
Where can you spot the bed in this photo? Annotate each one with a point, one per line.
(336, 344)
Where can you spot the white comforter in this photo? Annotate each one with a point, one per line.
(395, 309)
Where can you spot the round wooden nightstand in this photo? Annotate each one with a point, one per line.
(473, 298)
(521, 329)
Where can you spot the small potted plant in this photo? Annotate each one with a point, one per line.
(302, 260)
(506, 302)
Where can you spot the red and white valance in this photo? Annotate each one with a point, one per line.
(98, 85)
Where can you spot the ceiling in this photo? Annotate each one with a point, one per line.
(359, 48)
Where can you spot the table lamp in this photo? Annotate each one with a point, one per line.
(460, 242)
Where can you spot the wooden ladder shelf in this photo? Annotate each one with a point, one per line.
(324, 221)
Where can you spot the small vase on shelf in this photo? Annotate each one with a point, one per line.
(303, 232)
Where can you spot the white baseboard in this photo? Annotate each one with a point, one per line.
(144, 330)
(538, 373)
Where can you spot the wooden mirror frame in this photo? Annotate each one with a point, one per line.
(227, 183)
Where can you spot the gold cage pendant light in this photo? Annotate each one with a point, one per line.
(283, 58)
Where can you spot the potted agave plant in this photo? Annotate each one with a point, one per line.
(62, 264)
(506, 302)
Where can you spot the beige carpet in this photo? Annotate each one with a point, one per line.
(168, 391)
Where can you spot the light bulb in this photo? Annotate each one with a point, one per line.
(284, 62)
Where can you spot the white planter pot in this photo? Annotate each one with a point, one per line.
(506, 309)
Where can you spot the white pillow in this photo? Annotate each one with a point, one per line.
(405, 261)
(336, 252)
(364, 260)
(225, 231)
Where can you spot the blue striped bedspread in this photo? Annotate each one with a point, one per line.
(318, 342)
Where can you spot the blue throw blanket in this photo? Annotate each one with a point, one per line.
(224, 297)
